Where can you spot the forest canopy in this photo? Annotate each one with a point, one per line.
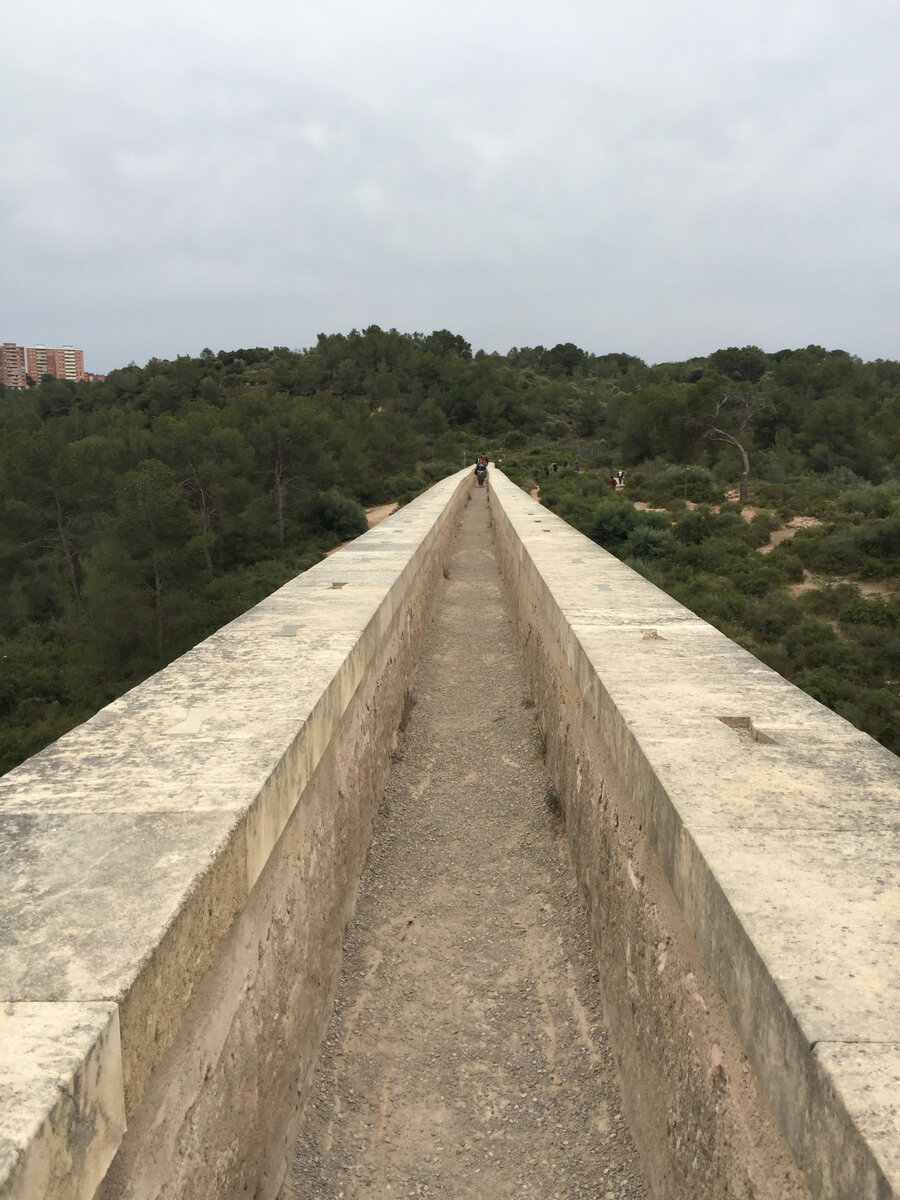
(143, 512)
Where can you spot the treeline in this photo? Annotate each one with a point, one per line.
(141, 513)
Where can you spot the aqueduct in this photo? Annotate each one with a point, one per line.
(179, 874)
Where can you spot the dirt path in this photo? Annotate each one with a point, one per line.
(375, 515)
(786, 532)
(466, 1057)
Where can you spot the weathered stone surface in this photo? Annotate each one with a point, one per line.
(87, 896)
(733, 838)
(62, 1107)
(866, 1078)
(191, 856)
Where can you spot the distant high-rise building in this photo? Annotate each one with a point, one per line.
(70, 363)
(39, 358)
(63, 362)
(12, 365)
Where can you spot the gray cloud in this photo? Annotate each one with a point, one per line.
(659, 178)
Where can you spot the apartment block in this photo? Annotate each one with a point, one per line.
(12, 365)
(63, 362)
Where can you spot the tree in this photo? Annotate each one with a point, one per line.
(745, 365)
(44, 488)
(283, 440)
(447, 345)
(563, 359)
(150, 547)
(211, 461)
(730, 419)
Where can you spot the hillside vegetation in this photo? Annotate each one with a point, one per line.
(142, 513)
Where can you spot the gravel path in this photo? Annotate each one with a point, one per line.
(466, 1056)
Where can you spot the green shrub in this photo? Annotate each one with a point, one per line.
(835, 552)
(696, 484)
(787, 565)
(830, 599)
(729, 523)
(695, 526)
(826, 685)
(613, 522)
(767, 520)
(647, 542)
(339, 514)
(814, 644)
(755, 536)
(874, 610)
(769, 624)
(753, 581)
(876, 710)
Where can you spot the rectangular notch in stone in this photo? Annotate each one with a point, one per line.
(746, 730)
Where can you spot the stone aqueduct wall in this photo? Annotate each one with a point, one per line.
(176, 876)
(736, 845)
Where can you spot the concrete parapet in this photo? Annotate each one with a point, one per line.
(176, 876)
(736, 847)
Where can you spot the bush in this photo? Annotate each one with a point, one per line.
(835, 552)
(787, 565)
(729, 523)
(766, 519)
(756, 536)
(613, 522)
(752, 581)
(647, 542)
(874, 610)
(714, 599)
(814, 644)
(339, 514)
(658, 485)
(826, 685)
(771, 618)
(695, 526)
(875, 710)
(716, 555)
(882, 538)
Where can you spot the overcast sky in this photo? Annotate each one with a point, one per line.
(656, 177)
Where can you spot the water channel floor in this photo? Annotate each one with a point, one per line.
(467, 1056)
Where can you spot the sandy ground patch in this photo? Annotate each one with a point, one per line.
(374, 516)
(377, 514)
(866, 587)
(787, 531)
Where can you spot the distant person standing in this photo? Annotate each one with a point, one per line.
(620, 477)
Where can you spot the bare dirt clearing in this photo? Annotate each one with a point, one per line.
(374, 516)
(749, 512)
(866, 587)
(466, 1057)
(786, 532)
(377, 514)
